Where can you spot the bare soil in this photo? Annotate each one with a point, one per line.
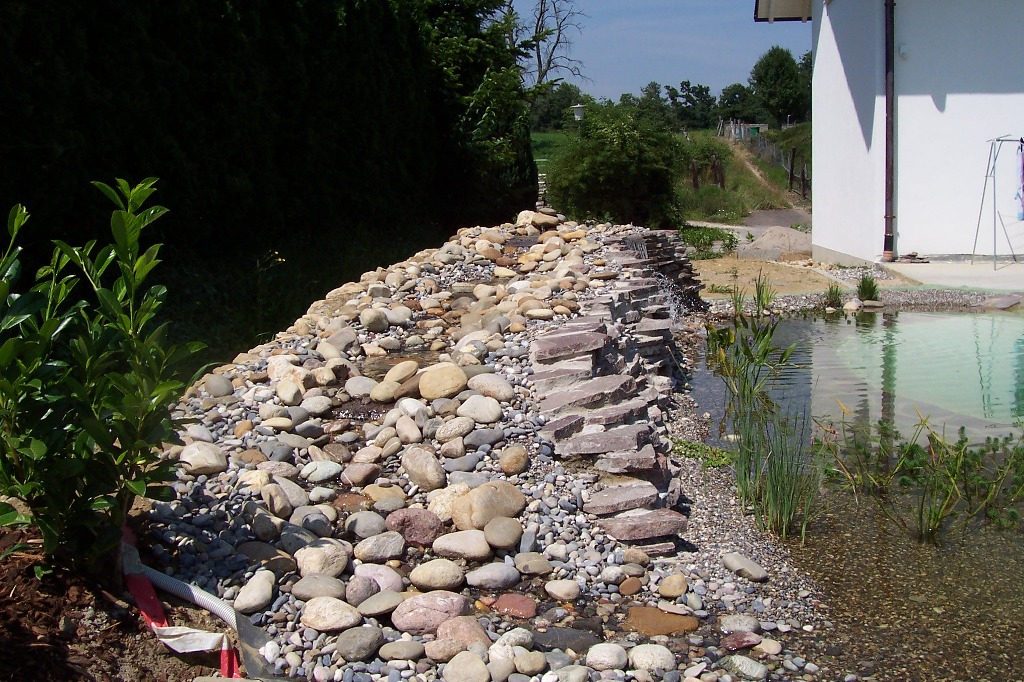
(64, 627)
(784, 277)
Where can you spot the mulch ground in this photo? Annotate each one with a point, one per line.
(63, 627)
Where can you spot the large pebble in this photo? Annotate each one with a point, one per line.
(419, 527)
(424, 469)
(203, 459)
(494, 576)
(492, 386)
(490, 500)
(328, 614)
(481, 409)
(443, 380)
(744, 567)
(652, 657)
(607, 656)
(316, 585)
(423, 613)
(359, 644)
(466, 666)
(471, 545)
(257, 593)
(380, 548)
(437, 574)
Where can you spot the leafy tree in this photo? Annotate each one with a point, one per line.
(621, 165)
(738, 102)
(777, 82)
(692, 104)
(806, 66)
(551, 106)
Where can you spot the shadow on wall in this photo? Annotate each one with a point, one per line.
(942, 47)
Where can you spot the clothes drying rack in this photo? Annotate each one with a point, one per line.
(995, 146)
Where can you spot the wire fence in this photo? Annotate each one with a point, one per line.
(793, 163)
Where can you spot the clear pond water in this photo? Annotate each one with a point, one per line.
(956, 369)
(904, 610)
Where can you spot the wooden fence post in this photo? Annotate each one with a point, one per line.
(803, 181)
(792, 167)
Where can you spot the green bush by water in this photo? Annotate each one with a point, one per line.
(87, 380)
(708, 242)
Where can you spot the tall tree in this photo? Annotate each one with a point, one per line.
(738, 102)
(546, 36)
(692, 104)
(776, 80)
(550, 106)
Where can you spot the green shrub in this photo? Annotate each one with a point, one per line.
(778, 474)
(867, 288)
(618, 165)
(708, 242)
(86, 384)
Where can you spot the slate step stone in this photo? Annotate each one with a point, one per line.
(651, 327)
(629, 437)
(643, 459)
(555, 347)
(563, 427)
(621, 498)
(563, 374)
(644, 525)
(614, 415)
(590, 393)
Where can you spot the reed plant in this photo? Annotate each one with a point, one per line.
(778, 475)
(833, 296)
(764, 293)
(867, 288)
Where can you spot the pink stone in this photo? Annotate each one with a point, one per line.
(516, 605)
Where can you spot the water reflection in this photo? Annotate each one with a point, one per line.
(955, 368)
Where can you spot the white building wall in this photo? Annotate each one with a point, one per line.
(848, 141)
(958, 84)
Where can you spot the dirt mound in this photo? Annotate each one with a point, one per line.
(774, 242)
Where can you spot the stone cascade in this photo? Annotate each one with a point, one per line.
(603, 380)
(435, 471)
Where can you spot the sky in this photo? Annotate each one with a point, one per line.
(626, 44)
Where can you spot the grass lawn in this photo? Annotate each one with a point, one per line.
(545, 146)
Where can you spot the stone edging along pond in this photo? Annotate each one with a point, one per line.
(460, 468)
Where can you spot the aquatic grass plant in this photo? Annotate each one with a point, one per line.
(764, 293)
(778, 474)
(929, 485)
(711, 457)
(867, 288)
(833, 296)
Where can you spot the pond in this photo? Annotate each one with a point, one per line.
(905, 610)
(956, 369)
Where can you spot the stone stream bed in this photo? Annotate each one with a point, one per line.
(460, 468)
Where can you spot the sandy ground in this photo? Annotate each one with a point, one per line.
(785, 278)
